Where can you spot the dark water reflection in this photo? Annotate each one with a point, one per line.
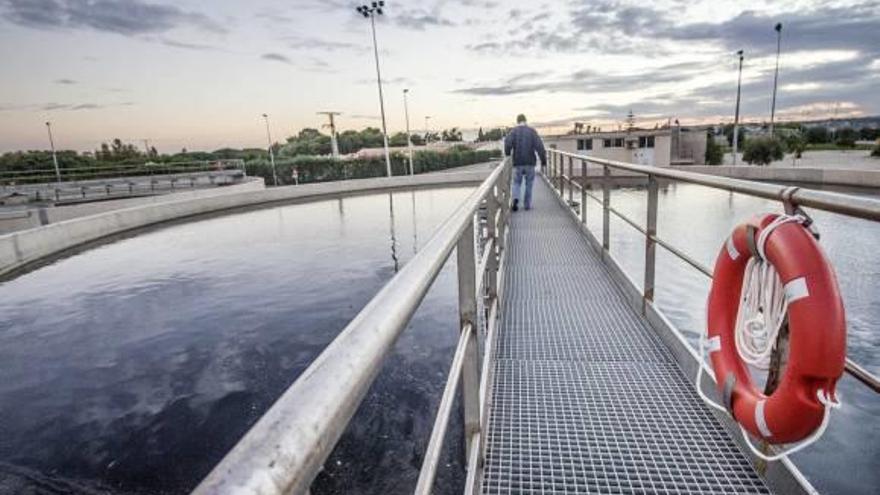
(697, 219)
(134, 367)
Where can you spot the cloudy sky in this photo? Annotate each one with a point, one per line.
(199, 73)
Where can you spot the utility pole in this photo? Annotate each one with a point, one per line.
(147, 147)
(271, 153)
(54, 154)
(778, 29)
(408, 135)
(334, 145)
(736, 116)
(371, 13)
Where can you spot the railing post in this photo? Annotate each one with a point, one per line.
(606, 208)
(650, 243)
(467, 308)
(570, 181)
(584, 192)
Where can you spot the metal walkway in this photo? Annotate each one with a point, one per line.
(586, 398)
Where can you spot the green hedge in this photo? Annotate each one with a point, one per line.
(325, 169)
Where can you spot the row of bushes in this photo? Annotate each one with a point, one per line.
(324, 169)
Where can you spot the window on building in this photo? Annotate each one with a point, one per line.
(584, 144)
(606, 143)
(646, 142)
(618, 142)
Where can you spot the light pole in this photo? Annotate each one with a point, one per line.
(271, 153)
(408, 135)
(427, 118)
(334, 144)
(54, 155)
(371, 13)
(778, 29)
(736, 116)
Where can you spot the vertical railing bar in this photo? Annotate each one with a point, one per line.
(428, 470)
(650, 243)
(584, 192)
(467, 308)
(606, 212)
(570, 181)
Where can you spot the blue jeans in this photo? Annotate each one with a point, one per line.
(527, 173)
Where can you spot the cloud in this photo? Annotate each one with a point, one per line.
(128, 18)
(188, 46)
(54, 106)
(66, 82)
(276, 57)
(309, 43)
(420, 19)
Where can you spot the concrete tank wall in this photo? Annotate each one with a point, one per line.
(19, 249)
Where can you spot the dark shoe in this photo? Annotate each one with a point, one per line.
(515, 206)
(528, 208)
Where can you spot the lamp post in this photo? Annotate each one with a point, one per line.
(54, 154)
(427, 118)
(778, 29)
(408, 135)
(371, 12)
(271, 153)
(736, 115)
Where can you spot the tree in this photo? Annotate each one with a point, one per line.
(714, 152)
(728, 133)
(763, 150)
(117, 151)
(398, 140)
(869, 134)
(847, 137)
(452, 135)
(417, 140)
(492, 135)
(876, 151)
(817, 135)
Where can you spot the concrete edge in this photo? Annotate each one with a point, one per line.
(818, 176)
(20, 249)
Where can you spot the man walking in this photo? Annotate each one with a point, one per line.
(524, 144)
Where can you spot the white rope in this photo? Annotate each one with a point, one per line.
(826, 417)
(762, 303)
(760, 316)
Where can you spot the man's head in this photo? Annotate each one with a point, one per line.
(520, 119)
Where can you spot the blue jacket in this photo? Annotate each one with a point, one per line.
(524, 143)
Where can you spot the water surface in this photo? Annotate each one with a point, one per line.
(134, 367)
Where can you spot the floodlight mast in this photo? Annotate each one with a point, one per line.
(371, 12)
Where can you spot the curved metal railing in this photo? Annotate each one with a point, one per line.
(286, 448)
(791, 198)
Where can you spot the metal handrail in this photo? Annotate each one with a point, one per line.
(286, 448)
(854, 206)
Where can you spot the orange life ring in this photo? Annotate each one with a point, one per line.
(817, 332)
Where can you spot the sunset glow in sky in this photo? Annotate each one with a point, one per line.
(199, 73)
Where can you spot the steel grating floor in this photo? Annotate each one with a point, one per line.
(586, 398)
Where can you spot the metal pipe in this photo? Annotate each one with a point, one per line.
(428, 472)
(854, 206)
(570, 180)
(287, 447)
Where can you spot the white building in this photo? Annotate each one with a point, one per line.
(657, 147)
